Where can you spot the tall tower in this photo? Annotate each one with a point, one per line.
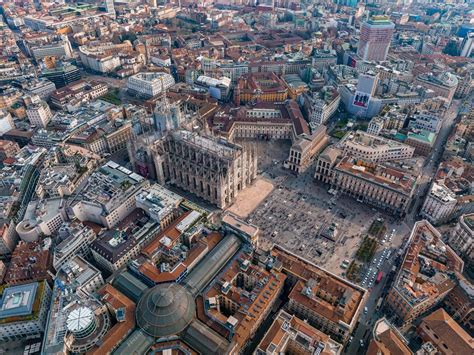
(375, 37)
(167, 116)
(468, 45)
(109, 7)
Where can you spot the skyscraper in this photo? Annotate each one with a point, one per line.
(375, 37)
(109, 7)
(468, 45)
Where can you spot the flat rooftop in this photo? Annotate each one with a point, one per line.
(364, 139)
(150, 77)
(110, 183)
(18, 300)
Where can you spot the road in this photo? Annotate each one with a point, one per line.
(366, 321)
(364, 329)
(432, 161)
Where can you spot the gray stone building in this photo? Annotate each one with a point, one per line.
(210, 168)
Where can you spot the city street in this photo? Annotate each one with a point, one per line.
(299, 207)
(432, 161)
(367, 321)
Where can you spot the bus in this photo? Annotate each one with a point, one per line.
(379, 303)
(379, 277)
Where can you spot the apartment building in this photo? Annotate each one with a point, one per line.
(247, 292)
(439, 205)
(108, 196)
(21, 270)
(462, 238)
(8, 237)
(387, 340)
(74, 239)
(376, 125)
(373, 148)
(6, 122)
(8, 149)
(466, 84)
(426, 120)
(60, 48)
(426, 275)
(160, 204)
(103, 57)
(321, 105)
(60, 180)
(8, 96)
(20, 177)
(41, 87)
(213, 169)
(217, 88)
(77, 93)
(328, 302)
(443, 84)
(290, 335)
(459, 303)
(86, 278)
(117, 135)
(114, 249)
(105, 136)
(392, 117)
(445, 334)
(39, 114)
(422, 141)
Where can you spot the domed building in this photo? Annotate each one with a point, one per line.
(87, 322)
(166, 314)
(164, 310)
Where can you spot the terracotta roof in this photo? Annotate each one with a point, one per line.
(274, 335)
(116, 300)
(253, 305)
(280, 335)
(151, 272)
(388, 343)
(326, 283)
(171, 232)
(450, 333)
(379, 174)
